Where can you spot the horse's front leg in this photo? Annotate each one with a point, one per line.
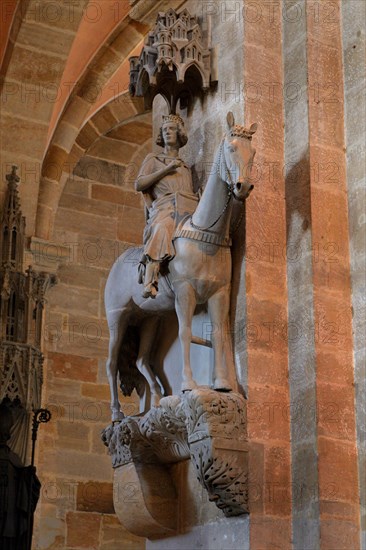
(185, 304)
(218, 307)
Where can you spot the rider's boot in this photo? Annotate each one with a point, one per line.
(151, 279)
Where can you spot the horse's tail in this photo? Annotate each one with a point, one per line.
(129, 375)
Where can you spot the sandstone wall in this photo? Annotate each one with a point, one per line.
(98, 218)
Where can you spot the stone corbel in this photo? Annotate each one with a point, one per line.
(217, 439)
(46, 256)
(145, 499)
(203, 425)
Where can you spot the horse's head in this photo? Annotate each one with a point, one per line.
(237, 158)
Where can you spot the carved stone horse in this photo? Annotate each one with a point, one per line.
(197, 276)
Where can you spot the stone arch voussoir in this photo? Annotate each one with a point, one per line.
(72, 125)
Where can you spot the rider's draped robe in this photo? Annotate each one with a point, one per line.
(160, 200)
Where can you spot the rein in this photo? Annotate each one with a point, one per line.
(230, 185)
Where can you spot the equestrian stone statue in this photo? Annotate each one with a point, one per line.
(195, 274)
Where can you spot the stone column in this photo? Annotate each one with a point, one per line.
(353, 18)
(268, 391)
(337, 452)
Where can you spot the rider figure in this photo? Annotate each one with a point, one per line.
(160, 178)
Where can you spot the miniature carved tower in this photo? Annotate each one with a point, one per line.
(22, 299)
(176, 61)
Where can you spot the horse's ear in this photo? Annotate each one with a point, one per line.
(253, 128)
(230, 119)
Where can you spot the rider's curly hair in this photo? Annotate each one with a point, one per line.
(181, 135)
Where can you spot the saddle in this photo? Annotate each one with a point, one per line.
(185, 205)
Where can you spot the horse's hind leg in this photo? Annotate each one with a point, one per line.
(147, 336)
(116, 333)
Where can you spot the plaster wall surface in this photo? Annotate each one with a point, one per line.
(302, 365)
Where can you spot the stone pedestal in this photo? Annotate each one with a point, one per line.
(145, 499)
(190, 449)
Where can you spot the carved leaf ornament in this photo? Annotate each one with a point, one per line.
(204, 425)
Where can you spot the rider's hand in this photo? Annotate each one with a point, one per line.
(172, 166)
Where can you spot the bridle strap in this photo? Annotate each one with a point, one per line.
(229, 182)
(230, 185)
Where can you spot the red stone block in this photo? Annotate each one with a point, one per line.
(336, 411)
(96, 391)
(268, 414)
(116, 195)
(270, 368)
(73, 367)
(268, 533)
(334, 367)
(327, 167)
(340, 534)
(263, 214)
(323, 22)
(333, 322)
(256, 477)
(95, 496)
(115, 537)
(131, 225)
(261, 28)
(330, 225)
(278, 489)
(325, 69)
(266, 325)
(338, 477)
(83, 530)
(336, 509)
(88, 206)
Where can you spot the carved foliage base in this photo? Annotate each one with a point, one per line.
(158, 437)
(206, 426)
(217, 438)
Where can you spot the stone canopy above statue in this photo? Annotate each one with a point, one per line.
(175, 62)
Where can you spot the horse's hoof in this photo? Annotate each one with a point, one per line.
(150, 291)
(188, 386)
(221, 384)
(155, 400)
(117, 416)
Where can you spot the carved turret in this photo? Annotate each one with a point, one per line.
(12, 226)
(22, 299)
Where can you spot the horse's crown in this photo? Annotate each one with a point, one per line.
(240, 131)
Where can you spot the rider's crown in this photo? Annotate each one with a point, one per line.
(173, 118)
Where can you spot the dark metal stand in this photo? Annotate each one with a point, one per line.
(40, 416)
